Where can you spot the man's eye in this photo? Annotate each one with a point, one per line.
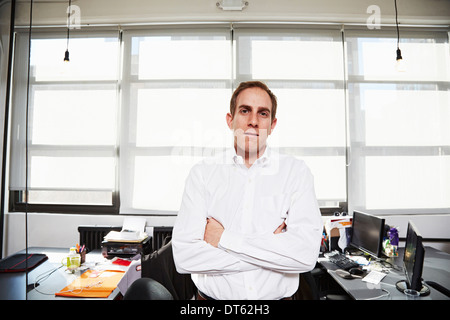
(244, 111)
(264, 114)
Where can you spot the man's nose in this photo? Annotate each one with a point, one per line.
(253, 120)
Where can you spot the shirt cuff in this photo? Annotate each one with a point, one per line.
(231, 241)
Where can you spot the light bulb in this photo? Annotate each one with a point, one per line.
(400, 64)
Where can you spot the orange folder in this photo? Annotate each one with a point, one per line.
(93, 284)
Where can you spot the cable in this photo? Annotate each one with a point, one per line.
(68, 23)
(44, 276)
(396, 23)
(26, 142)
(86, 287)
(382, 296)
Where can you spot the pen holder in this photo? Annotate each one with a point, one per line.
(83, 256)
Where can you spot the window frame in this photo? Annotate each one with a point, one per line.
(358, 150)
(131, 84)
(125, 82)
(17, 198)
(312, 32)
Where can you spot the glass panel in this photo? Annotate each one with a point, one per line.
(159, 181)
(72, 172)
(424, 60)
(309, 118)
(72, 110)
(182, 117)
(305, 70)
(294, 59)
(329, 177)
(74, 117)
(406, 117)
(172, 58)
(70, 197)
(399, 122)
(407, 182)
(90, 59)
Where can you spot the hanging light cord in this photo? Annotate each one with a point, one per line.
(68, 22)
(396, 23)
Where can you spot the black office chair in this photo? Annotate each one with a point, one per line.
(326, 287)
(308, 288)
(160, 266)
(147, 289)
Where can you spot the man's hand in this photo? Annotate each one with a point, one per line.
(213, 232)
(281, 228)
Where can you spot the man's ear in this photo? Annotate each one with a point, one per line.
(229, 120)
(274, 123)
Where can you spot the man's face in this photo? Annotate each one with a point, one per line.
(252, 122)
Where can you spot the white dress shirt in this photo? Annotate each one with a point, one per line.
(251, 261)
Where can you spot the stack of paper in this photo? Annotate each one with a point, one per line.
(125, 236)
(132, 231)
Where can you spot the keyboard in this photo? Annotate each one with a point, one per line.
(341, 260)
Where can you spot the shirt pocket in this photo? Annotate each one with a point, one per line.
(271, 211)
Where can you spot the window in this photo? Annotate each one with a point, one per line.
(304, 69)
(176, 90)
(72, 132)
(400, 133)
(118, 129)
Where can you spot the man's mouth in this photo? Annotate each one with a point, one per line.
(252, 134)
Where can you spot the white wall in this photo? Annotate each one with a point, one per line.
(137, 11)
(61, 230)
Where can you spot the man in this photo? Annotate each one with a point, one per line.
(249, 222)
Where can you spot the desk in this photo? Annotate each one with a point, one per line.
(13, 285)
(436, 266)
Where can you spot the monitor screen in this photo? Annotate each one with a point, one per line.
(367, 233)
(413, 257)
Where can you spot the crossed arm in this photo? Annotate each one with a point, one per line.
(202, 245)
(214, 230)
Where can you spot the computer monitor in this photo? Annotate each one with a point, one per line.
(367, 233)
(413, 262)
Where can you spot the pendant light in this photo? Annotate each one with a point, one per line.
(399, 66)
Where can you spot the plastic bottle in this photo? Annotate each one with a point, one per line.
(73, 259)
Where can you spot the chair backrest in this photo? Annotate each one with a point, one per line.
(160, 266)
(307, 289)
(147, 289)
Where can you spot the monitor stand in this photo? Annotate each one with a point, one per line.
(402, 286)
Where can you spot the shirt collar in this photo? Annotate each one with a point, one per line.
(262, 160)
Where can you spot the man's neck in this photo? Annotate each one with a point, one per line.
(250, 157)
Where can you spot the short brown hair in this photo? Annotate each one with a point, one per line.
(253, 84)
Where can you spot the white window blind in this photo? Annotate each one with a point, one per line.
(72, 127)
(131, 114)
(400, 127)
(305, 70)
(176, 86)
